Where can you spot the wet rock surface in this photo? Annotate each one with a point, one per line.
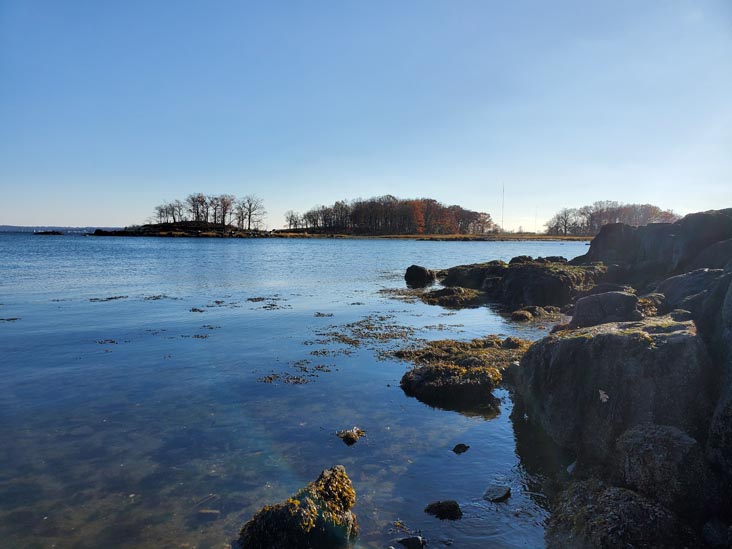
(445, 510)
(319, 515)
(458, 375)
(419, 277)
(461, 448)
(497, 493)
(351, 436)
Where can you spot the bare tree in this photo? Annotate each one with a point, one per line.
(253, 212)
(292, 219)
(226, 204)
(196, 205)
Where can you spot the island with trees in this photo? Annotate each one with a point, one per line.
(228, 216)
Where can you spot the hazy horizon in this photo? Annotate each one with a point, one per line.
(110, 110)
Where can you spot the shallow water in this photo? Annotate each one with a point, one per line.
(141, 421)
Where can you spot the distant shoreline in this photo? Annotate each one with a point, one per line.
(188, 229)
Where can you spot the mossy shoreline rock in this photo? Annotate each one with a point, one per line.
(460, 375)
(317, 516)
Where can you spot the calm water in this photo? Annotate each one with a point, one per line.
(140, 421)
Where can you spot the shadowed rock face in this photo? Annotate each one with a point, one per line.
(319, 515)
(418, 277)
(662, 249)
(591, 514)
(586, 387)
(668, 466)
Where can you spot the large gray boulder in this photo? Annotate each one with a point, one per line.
(720, 432)
(605, 307)
(542, 284)
(715, 256)
(668, 466)
(697, 231)
(586, 387)
(685, 291)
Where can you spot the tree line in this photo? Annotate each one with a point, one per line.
(225, 209)
(587, 220)
(390, 215)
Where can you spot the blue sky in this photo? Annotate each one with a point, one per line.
(109, 108)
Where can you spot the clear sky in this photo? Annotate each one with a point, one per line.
(110, 108)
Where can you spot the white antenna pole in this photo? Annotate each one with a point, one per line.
(503, 205)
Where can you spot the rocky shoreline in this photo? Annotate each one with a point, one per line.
(634, 381)
(637, 385)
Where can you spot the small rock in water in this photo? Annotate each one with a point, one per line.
(460, 448)
(351, 436)
(413, 542)
(448, 509)
(497, 493)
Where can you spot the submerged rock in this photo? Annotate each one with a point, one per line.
(351, 436)
(444, 510)
(413, 542)
(418, 276)
(460, 448)
(319, 515)
(497, 493)
(591, 514)
(456, 297)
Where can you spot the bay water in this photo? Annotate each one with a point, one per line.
(158, 392)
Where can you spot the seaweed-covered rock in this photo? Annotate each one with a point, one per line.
(351, 436)
(544, 283)
(445, 510)
(454, 297)
(419, 277)
(605, 307)
(460, 375)
(591, 514)
(666, 465)
(319, 515)
(586, 387)
(473, 276)
(521, 315)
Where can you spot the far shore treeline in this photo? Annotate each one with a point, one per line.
(588, 220)
(390, 215)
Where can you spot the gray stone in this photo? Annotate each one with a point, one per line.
(586, 387)
(497, 493)
(605, 307)
(666, 465)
